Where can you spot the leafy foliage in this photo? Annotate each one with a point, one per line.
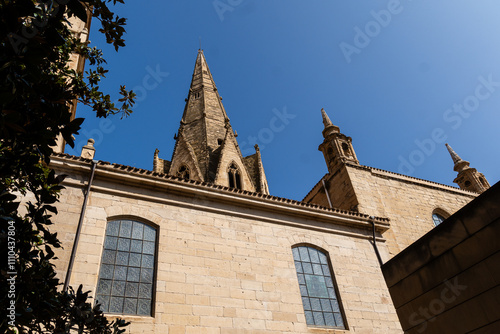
(37, 90)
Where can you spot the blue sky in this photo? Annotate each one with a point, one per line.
(399, 77)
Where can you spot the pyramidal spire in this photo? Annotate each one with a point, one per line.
(206, 148)
(326, 120)
(459, 163)
(204, 122)
(329, 127)
(203, 90)
(456, 158)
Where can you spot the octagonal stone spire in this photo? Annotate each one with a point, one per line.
(206, 148)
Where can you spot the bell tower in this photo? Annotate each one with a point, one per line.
(336, 147)
(467, 178)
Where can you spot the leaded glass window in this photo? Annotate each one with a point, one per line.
(125, 284)
(322, 306)
(437, 218)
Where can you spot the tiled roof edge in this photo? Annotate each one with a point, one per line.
(141, 171)
(408, 179)
(411, 178)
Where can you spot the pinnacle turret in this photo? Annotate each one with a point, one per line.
(329, 127)
(336, 147)
(467, 178)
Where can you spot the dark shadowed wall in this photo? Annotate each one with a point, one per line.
(448, 281)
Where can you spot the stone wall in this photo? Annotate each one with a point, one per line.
(340, 190)
(407, 202)
(224, 267)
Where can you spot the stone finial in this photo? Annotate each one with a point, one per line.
(88, 151)
(326, 120)
(157, 162)
(329, 127)
(468, 178)
(456, 158)
(460, 164)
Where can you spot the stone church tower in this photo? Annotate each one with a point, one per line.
(206, 148)
(467, 178)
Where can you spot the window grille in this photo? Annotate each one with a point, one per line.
(322, 306)
(126, 277)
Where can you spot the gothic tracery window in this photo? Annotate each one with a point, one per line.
(183, 173)
(234, 177)
(322, 306)
(126, 276)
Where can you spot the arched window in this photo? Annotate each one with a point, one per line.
(437, 218)
(483, 182)
(183, 173)
(125, 284)
(322, 306)
(234, 177)
(346, 149)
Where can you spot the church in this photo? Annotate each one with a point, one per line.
(198, 244)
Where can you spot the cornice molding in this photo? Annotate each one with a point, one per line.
(136, 177)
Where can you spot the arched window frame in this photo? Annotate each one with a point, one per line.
(307, 298)
(234, 176)
(345, 148)
(438, 216)
(143, 279)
